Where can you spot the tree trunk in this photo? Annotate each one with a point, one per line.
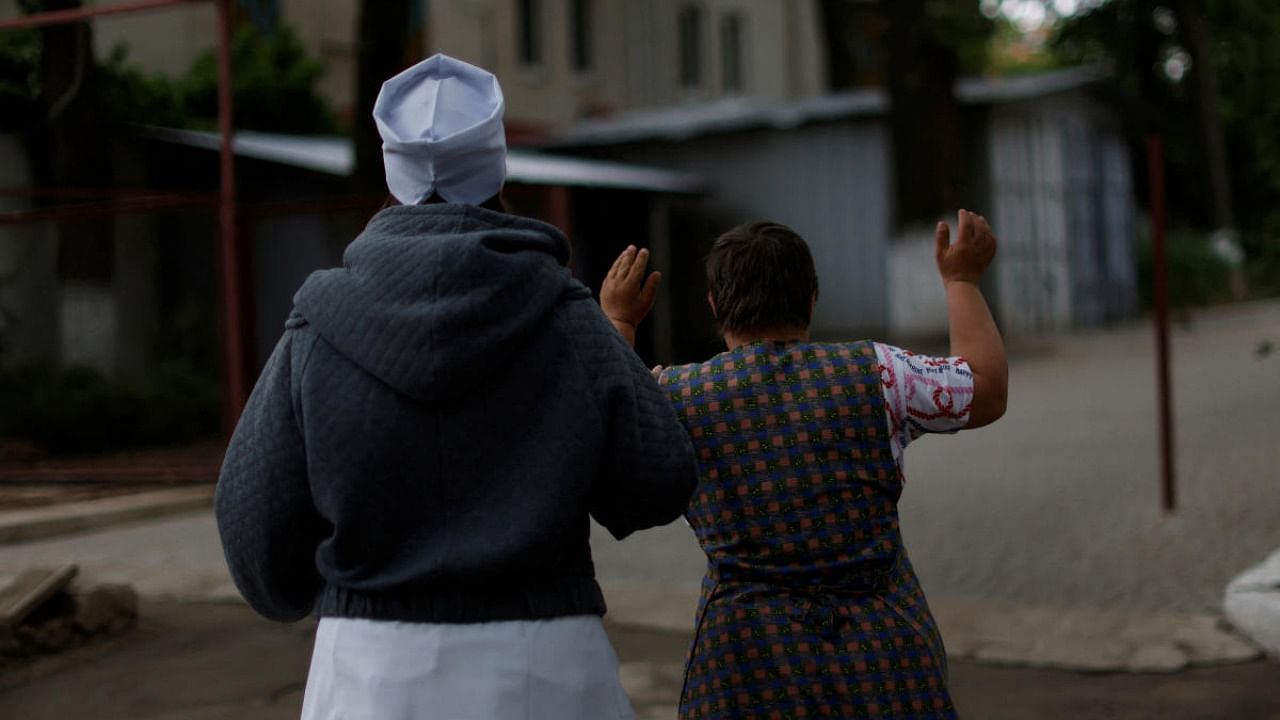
(924, 115)
(835, 18)
(1203, 80)
(67, 148)
(384, 40)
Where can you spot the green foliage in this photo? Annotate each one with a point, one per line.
(1248, 63)
(961, 26)
(273, 85)
(19, 78)
(1013, 53)
(1262, 258)
(1197, 275)
(1124, 35)
(131, 96)
(78, 410)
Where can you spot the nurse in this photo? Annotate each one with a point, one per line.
(420, 458)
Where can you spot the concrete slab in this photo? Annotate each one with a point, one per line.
(38, 523)
(1084, 639)
(21, 594)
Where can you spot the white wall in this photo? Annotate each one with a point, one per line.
(554, 92)
(917, 300)
(28, 269)
(828, 182)
(1063, 210)
(1029, 197)
(163, 42)
(782, 50)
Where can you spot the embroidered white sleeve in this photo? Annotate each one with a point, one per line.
(923, 394)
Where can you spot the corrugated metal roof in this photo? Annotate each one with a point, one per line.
(336, 156)
(680, 123)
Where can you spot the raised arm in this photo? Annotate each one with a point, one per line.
(627, 295)
(974, 334)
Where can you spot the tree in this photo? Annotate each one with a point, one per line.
(1204, 74)
(1198, 33)
(384, 42)
(923, 47)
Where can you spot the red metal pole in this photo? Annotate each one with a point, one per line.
(1160, 283)
(235, 388)
(58, 17)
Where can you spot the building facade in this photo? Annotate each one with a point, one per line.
(559, 61)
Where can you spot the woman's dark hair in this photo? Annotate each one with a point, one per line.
(495, 203)
(761, 276)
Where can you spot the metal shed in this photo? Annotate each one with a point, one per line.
(1054, 176)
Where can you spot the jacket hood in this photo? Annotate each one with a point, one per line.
(432, 298)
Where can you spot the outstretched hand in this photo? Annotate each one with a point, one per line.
(627, 295)
(967, 258)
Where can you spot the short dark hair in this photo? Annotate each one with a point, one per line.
(761, 276)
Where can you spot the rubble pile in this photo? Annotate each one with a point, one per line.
(41, 613)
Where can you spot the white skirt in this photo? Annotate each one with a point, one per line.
(561, 669)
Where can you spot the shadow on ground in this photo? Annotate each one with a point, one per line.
(205, 661)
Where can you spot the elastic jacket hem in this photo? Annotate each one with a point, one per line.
(539, 600)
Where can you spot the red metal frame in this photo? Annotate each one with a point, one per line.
(234, 350)
(61, 17)
(1160, 282)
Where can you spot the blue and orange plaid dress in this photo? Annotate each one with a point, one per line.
(809, 608)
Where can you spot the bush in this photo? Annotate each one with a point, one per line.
(1197, 275)
(19, 78)
(1262, 258)
(78, 410)
(273, 85)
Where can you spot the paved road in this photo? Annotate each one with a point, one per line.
(1057, 505)
(219, 662)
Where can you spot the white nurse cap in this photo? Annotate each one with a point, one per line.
(441, 127)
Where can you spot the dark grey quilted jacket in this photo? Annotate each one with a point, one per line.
(437, 422)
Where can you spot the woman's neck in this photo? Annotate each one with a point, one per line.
(778, 335)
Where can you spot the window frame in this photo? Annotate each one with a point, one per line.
(582, 36)
(690, 50)
(737, 70)
(531, 34)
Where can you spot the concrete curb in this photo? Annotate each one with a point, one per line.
(21, 526)
(1080, 639)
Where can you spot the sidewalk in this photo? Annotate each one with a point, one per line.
(199, 661)
(180, 558)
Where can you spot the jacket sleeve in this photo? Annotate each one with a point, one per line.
(268, 524)
(648, 469)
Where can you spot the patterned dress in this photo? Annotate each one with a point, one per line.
(809, 607)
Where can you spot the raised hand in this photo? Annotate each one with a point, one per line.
(627, 295)
(967, 258)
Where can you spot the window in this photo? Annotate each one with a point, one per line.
(530, 12)
(731, 53)
(582, 34)
(690, 46)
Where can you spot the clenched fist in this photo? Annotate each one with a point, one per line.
(966, 258)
